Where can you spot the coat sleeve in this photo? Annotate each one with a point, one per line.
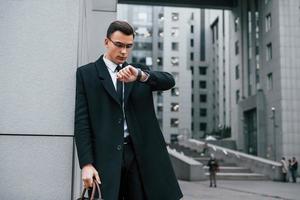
(158, 80)
(82, 128)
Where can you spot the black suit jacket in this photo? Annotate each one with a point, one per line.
(99, 130)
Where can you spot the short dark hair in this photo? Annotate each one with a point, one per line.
(122, 26)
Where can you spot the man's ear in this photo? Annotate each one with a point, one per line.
(105, 42)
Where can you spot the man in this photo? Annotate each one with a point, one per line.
(117, 135)
(213, 168)
(284, 169)
(294, 169)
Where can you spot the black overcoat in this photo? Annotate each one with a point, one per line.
(99, 130)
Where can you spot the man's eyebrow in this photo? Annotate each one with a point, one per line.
(124, 42)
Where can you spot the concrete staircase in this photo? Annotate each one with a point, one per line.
(228, 171)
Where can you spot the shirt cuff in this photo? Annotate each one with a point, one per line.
(146, 77)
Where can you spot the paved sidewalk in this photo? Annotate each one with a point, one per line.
(240, 190)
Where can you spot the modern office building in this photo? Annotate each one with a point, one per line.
(218, 53)
(265, 104)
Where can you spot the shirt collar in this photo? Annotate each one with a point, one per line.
(110, 64)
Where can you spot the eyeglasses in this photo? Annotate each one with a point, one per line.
(121, 45)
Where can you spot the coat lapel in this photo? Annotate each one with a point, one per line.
(106, 79)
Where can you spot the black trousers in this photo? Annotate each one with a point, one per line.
(131, 187)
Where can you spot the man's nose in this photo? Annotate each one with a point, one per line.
(124, 50)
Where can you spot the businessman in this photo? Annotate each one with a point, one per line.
(118, 139)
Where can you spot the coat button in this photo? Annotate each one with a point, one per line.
(119, 147)
(120, 120)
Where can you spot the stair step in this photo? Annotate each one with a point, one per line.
(239, 176)
(231, 169)
(221, 163)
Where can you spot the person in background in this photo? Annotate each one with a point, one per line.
(289, 174)
(213, 168)
(294, 168)
(284, 169)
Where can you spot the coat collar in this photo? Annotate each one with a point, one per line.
(107, 81)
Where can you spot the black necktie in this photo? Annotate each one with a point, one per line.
(119, 86)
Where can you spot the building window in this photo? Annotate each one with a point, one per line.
(192, 111)
(174, 31)
(159, 98)
(192, 28)
(175, 61)
(160, 45)
(237, 96)
(202, 70)
(236, 24)
(174, 107)
(192, 126)
(159, 61)
(203, 112)
(143, 32)
(270, 81)
(149, 61)
(203, 98)
(175, 16)
(268, 22)
(191, 56)
(175, 46)
(192, 82)
(175, 91)
(202, 84)
(160, 33)
(269, 51)
(143, 46)
(237, 72)
(202, 127)
(236, 47)
(192, 69)
(142, 60)
(174, 122)
(174, 138)
(161, 17)
(134, 59)
(192, 16)
(192, 97)
(160, 108)
(192, 42)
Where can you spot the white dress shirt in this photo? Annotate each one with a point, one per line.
(111, 66)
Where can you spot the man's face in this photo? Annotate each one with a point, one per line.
(118, 47)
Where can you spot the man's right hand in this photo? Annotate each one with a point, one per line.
(88, 173)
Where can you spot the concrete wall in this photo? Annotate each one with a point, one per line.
(186, 168)
(42, 43)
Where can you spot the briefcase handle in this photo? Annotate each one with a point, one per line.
(92, 197)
